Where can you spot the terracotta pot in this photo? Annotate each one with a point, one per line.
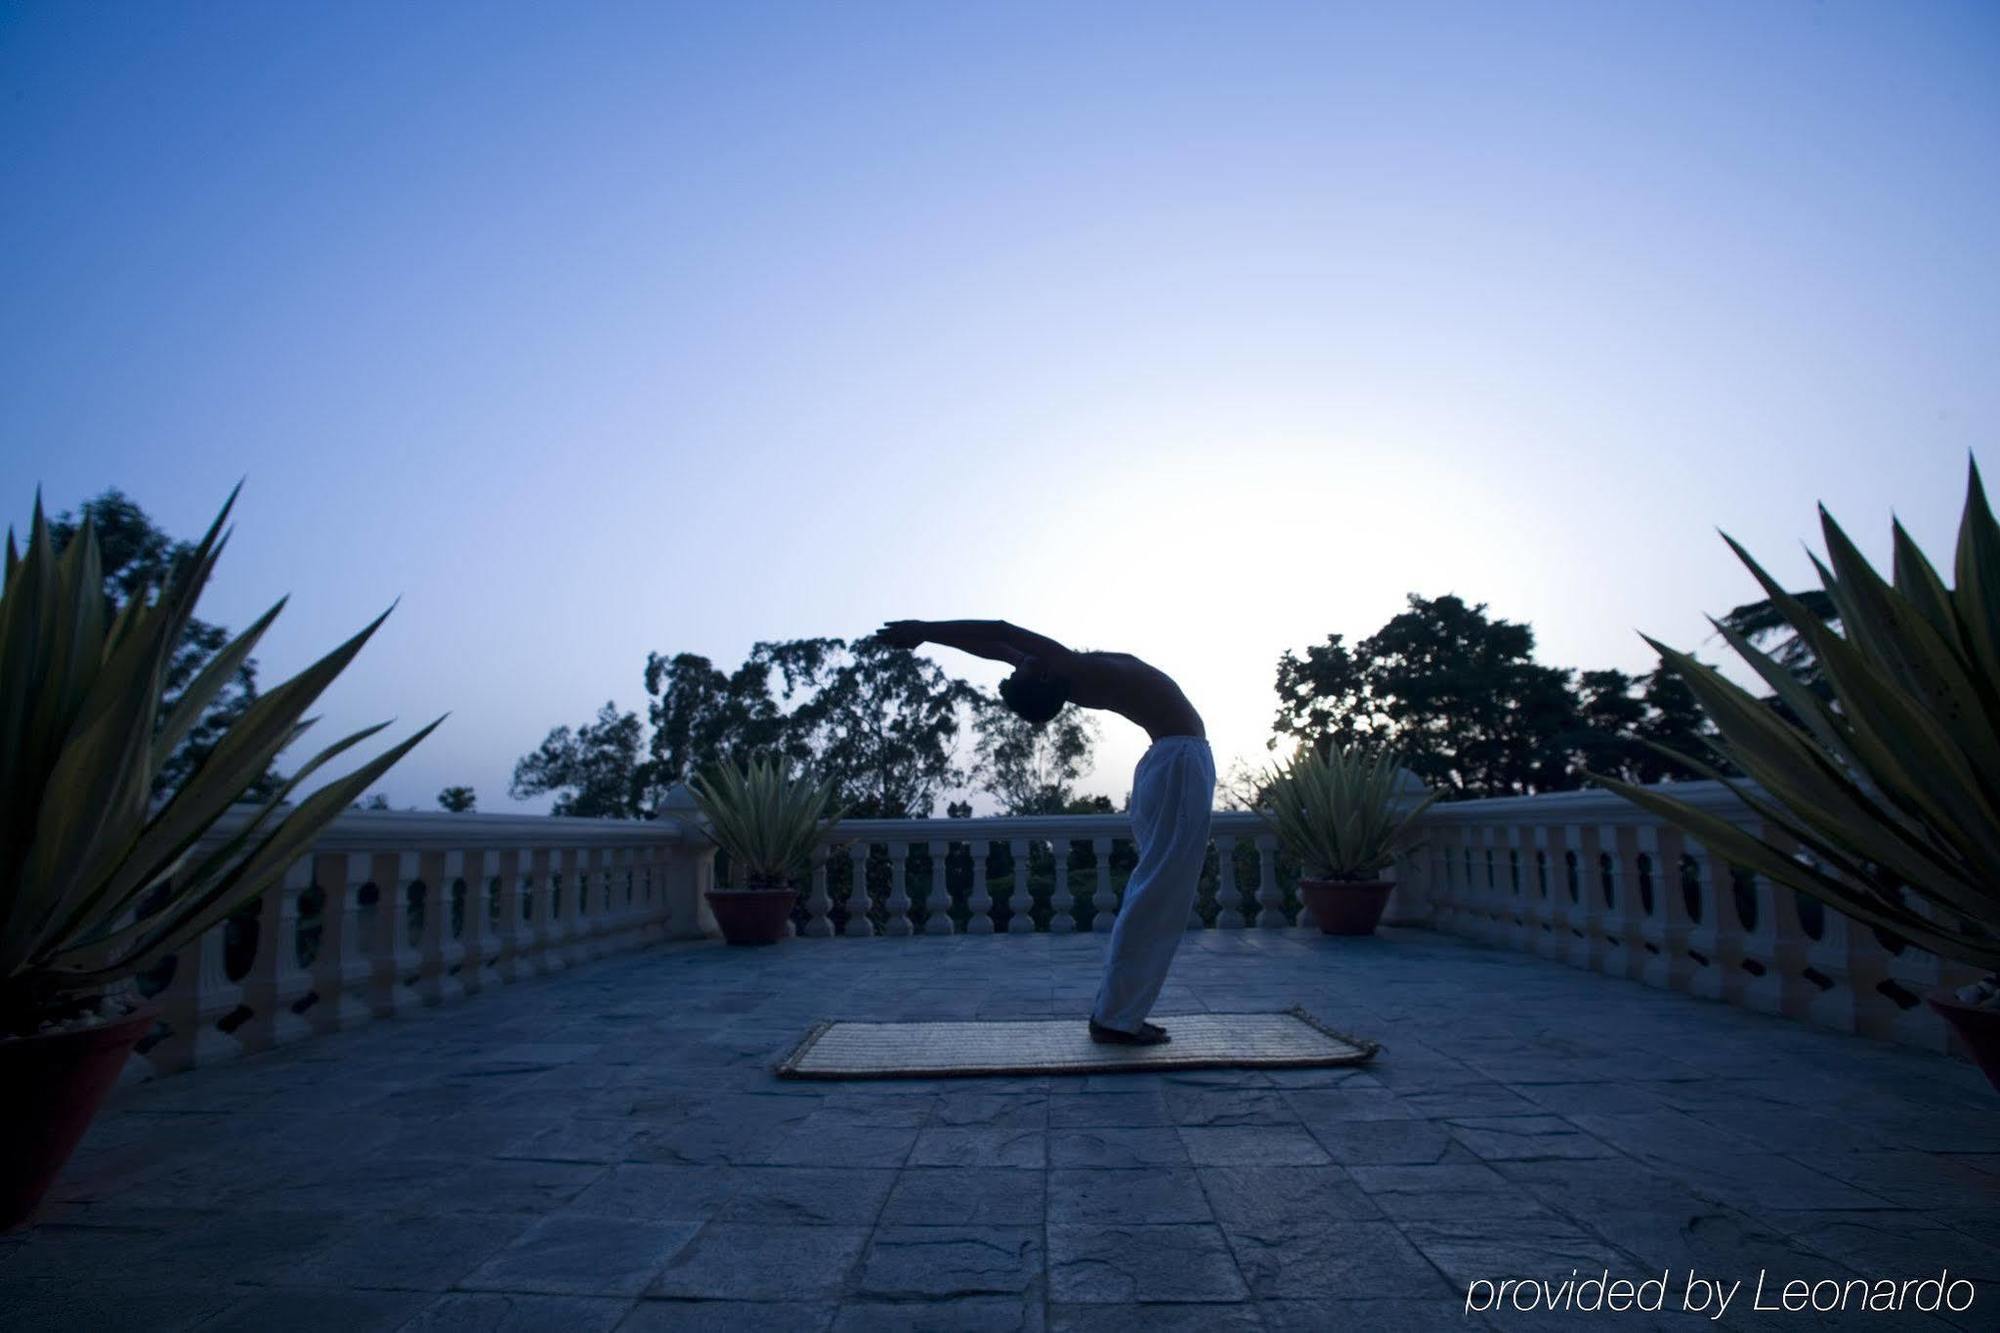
(752, 916)
(1345, 907)
(1978, 1028)
(50, 1089)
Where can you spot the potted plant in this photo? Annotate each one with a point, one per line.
(101, 877)
(1336, 813)
(1890, 790)
(767, 822)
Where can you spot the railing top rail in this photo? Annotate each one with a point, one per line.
(1592, 806)
(1565, 807)
(1006, 828)
(370, 830)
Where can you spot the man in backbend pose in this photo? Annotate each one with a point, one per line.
(1172, 790)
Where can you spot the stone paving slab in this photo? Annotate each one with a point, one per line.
(607, 1148)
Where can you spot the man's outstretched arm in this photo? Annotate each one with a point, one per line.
(984, 638)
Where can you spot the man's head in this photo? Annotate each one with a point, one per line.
(1033, 694)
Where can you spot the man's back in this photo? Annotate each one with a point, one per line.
(1134, 689)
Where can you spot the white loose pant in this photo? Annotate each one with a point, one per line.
(1173, 790)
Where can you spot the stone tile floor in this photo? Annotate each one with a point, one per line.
(607, 1148)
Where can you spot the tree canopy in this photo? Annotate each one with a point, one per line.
(882, 723)
(1458, 693)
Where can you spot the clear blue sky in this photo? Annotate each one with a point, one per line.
(1197, 331)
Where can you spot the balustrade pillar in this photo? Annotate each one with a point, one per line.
(1020, 902)
(937, 903)
(980, 904)
(859, 903)
(472, 948)
(431, 875)
(1270, 902)
(1103, 910)
(275, 981)
(1539, 885)
(819, 907)
(1062, 903)
(1228, 894)
(218, 998)
(1630, 915)
(898, 905)
(537, 901)
(1679, 869)
(507, 931)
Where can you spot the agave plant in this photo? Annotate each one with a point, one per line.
(764, 818)
(98, 880)
(1336, 811)
(1892, 790)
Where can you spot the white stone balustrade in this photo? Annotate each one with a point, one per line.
(393, 911)
(1627, 895)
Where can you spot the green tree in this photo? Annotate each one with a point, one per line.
(458, 800)
(1460, 696)
(1621, 718)
(594, 770)
(1457, 692)
(880, 722)
(1032, 770)
(700, 715)
(138, 558)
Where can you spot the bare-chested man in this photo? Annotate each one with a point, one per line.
(1172, 792)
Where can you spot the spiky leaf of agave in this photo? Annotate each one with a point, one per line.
(1893, 791)
(1337, 812)
(81, 741)
(765, 818)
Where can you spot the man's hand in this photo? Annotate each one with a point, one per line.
(902, 633)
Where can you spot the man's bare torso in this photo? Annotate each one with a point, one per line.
(1135, 690)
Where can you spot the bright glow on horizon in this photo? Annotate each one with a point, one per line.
(1192, 332)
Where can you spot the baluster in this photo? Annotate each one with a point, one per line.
(385, 931)
(1228, 894)
(565, 879)
(1518, 915)
(1677, 926)
(1631, 912)
(1020, 902)
(980, 905)
(220, 998)
(650, 877)
(1539, 889)
(819, 922)
(937, 903)
(588, 863)
(180, 1013)
(1104, 912)
(539, 919)
(473, 943)
(899, 893)
(1270, 902)
(1751, 946)
(859, 903)
(1062, 903)
(336, 941)
(1572, 924)
(430, 941)
(290, 982)
(507, 962)
(617, 897)
(258, 1028)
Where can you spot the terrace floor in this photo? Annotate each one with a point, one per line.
(607, 1148)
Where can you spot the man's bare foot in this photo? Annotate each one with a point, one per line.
(1149, 1034)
